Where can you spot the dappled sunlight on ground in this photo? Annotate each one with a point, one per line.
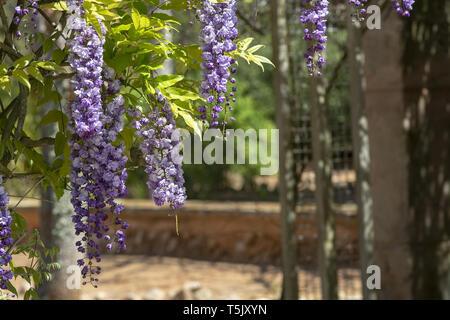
(145, 277)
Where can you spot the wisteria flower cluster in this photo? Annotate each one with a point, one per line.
(86, 59)
(314, 17)
(98, 177)
(403, 7)
(360, 8)
(160, 144)
(98, 171)
(5, 240)
(27, 13)
(219, 30)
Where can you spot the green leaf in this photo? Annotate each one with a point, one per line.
(191, 122)
(22, 77)
(120, 62)
(57, 164)
(5, 84)
(243, 44)
(263, 59)
(65, 168)
(49, 65)
(176, 5)
(60, 143)
(165, 81)
(3, 68)
(58, 5)
(136, 17)
(255, 48)
(58, 55)
(92, 18)
(54, 116)
(165, 17)
(149, 88)
(34, 71)
(181, 94)
(19, 224)
(12, 289)
(23, 62)
(127, 134)
(53, 96)
(48, 44)
(195, 52)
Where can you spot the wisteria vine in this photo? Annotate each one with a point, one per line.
(28, 14)
(96, 114)
(360, 8)
(219, 30)
(98, 171)
(160, 145)
(314, 16)
(5, 237)
(403, 7)
(86, 58)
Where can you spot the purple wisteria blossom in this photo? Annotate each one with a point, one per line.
(360, 8)
(219, 30)
(98, 171)
(314, 17)
(26, 15)
(403, 7)
(5, 238)
(98, 178)
(160, 142)
(86, 59)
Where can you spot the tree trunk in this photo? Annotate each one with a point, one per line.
(426, 96)
(287, 179)
(56, 228)
(361, 155)
(389, 158)
(323, 165)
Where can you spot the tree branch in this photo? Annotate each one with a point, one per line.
(249, 23)
(30, 143)
(23, 175)
(10, 51)
(340, 64)
(335, 73)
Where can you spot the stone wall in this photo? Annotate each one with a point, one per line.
(224, 231)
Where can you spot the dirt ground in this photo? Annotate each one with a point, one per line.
(145, 277)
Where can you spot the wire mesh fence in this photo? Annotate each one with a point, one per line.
(343, 182)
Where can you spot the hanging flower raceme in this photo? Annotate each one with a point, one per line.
(26, 16)
(403, 7)
(219, 30)
(86, 59)
(98, 171)
(5, 238)
(98, 177)
(314, 17)
(160, 145)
